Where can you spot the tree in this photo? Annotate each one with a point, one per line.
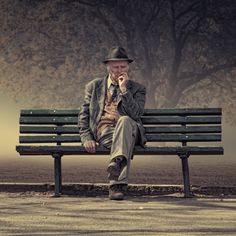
(183, 50)
(174, 41)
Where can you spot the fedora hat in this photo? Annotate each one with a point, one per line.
(117, 54)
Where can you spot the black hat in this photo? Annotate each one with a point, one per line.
(117, 54)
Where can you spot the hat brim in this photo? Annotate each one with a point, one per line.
(118, 59)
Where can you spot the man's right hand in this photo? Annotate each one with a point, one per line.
(90, 146)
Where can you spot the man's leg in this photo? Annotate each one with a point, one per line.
(107, 137)
(121, 140)
(124, 139)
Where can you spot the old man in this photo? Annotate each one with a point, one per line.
(110, 117)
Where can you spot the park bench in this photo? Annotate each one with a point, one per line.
(180, 125)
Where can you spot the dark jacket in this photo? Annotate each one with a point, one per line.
(130, 104)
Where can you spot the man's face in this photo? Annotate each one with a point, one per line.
(116, 68)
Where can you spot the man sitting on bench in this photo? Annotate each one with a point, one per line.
(111, 116)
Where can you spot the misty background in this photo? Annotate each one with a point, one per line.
(183, 51)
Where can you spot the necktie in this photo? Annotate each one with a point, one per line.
(114, 91)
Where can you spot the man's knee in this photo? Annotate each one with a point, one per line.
(127, 125)
(126, 120)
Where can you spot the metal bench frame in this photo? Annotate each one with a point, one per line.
(181, 125)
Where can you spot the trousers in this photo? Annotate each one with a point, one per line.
(120, 140)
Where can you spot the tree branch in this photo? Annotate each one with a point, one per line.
(187, 10)
(153, 16)
(108, 24)
(190, 78)
(88, 3)
(173, 22)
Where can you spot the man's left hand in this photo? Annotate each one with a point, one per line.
(122, 80)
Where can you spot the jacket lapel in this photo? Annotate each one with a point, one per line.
(101, 91)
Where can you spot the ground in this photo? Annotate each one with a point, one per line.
(41, 214)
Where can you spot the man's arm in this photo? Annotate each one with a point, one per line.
(87, 138)
(133, 105)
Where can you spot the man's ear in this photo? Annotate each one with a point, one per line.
(108, 68)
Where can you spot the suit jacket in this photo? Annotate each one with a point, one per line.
(130, 104)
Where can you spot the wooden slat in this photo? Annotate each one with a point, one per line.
(154, 129)
(150, 138)
(49, 130)
(145, 120)
(183, 129)
(50, 112)
(49, 139)
(181, 120)
(183, 137)
(80, 150)
(49, 120)
(152, 112)
(183, 111)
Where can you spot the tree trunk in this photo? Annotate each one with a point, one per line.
(173, 93)
(150, 95)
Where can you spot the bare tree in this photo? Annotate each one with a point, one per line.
(133, 24)
(177, 46)
(143, 26)
(195, 25)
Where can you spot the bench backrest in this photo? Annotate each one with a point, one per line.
(161, 125)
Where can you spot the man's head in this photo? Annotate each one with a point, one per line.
(117, 62)
(116, 68)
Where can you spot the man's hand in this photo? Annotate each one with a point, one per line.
(122, 80)
(91, 145)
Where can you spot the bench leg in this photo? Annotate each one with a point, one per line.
(57, 174)
(185, 170)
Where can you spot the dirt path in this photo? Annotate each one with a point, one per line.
(38, 214)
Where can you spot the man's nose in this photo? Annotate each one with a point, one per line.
(119, 70)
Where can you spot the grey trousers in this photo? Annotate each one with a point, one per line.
(121, 140)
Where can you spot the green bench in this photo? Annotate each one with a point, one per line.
(180, 125)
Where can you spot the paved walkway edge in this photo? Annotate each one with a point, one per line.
(89, 189)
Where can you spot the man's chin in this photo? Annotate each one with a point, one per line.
(115, 79)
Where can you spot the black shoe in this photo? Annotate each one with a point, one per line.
(115, 167)
(116, 191)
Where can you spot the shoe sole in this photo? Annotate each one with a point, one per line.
(118, 197)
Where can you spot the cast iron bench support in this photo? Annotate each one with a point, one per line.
(57, 174)
(185, 170)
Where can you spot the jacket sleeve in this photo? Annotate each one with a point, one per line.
(133, 104)
(84, 116)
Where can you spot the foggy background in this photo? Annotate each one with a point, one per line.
(183, 51)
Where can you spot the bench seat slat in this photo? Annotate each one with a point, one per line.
(183, 137)
(50, 112)
(48, 120)
(80, 150)
(145, 120)
(180, 120)
(158, 112)
(49, 129)
(183, 111)
(49, 139)
(150, 138)
(183, 129)
(154, 129)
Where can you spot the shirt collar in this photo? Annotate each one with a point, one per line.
(109, 82)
